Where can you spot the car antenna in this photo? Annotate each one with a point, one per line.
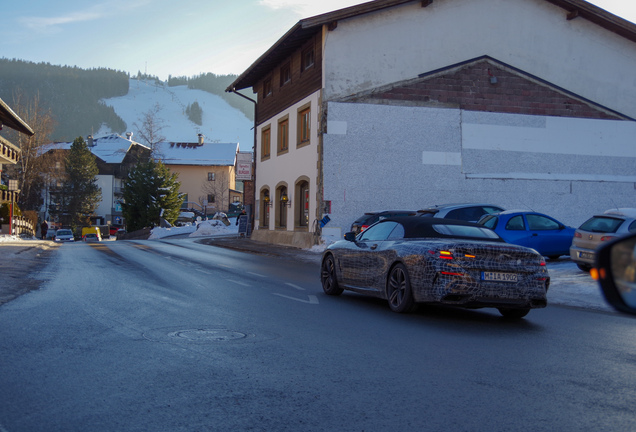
(531, 209)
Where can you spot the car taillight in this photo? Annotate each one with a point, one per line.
(363, 227)
(452, 273)
(578, 234)
(445, 255)
(448, 255)
(606, 238)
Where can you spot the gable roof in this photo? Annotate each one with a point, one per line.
(307, 28)
(110, 148)
(536, 97)
(12, 120)
(206, 154)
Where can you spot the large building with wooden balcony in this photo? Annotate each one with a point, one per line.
(9, 153)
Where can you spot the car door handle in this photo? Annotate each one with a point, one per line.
(534, 234)
(374, 246)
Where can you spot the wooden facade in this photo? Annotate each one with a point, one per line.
(301, 83)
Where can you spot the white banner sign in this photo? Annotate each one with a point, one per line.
(244, 166)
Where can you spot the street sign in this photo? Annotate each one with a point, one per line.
(242, 227)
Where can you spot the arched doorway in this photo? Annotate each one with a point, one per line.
(301, 207)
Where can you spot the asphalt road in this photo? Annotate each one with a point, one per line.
(178, 336)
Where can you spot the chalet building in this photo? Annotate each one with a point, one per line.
(405, 104)
(206, 172)
(9, 154)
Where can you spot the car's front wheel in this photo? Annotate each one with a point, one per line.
(328, 277)
(511, 313)
(398, 290)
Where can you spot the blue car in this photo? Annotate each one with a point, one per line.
(540, 232)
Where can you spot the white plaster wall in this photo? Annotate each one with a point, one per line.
(391, 157)
(105, 182)
(548, 148)
(533, 35)
(290, 166)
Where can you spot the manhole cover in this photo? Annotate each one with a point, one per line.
(207, 335)
(202, 335)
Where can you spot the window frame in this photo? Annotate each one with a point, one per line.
(282, 139)
(211, 176)
(285, 74)
(266, 142)
(307, 53)
(267, 88)
(304, 128)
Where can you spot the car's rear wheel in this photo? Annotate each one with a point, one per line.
(513, 313)
(328, 277)
(398, 290)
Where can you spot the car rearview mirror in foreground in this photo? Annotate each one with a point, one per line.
(350, 236)
(615, 270)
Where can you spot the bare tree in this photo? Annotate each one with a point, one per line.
(217, 189)
(150, 130)
(35, 164)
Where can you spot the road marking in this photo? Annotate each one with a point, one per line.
(312, 298)
(295, 286)
(238, 282)
(204, 271)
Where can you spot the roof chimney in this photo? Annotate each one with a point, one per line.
(91, 143)
(200, 139)
(129, 136)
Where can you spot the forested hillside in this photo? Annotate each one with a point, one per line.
(74, 95)
(216, 84)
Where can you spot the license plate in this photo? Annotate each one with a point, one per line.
(586, 255)
(499, 277)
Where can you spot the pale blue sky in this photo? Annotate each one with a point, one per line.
(165, 37)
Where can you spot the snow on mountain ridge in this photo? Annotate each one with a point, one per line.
(221, 122)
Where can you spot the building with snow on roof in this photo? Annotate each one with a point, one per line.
(206, 173)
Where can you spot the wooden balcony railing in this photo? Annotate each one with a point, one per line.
(8, 196)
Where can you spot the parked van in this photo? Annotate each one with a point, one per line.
(92, 229)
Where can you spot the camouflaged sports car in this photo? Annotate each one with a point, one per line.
(409, 260)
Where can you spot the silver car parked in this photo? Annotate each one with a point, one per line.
(64, 235)
(597, 230)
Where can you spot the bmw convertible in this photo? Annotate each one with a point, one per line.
(409, 260)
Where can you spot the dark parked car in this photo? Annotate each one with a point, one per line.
(540, 232)
(409, 260)
(470, 212)
(369, 218)
(597, 230)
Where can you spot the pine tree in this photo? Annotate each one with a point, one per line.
(195, 113)
(151, 192)
(80, 194)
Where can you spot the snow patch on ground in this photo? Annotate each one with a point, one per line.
(204, 228)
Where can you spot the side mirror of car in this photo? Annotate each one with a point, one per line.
(350, 236)
(615, 269)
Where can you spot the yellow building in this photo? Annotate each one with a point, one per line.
(206, 173)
